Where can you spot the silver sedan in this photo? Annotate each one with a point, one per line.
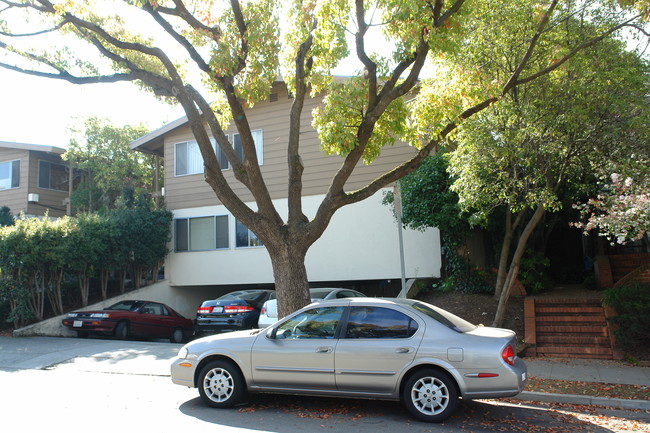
(392, 349)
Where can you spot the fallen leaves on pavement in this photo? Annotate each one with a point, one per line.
(592, 389)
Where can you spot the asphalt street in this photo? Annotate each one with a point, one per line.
(61, 384)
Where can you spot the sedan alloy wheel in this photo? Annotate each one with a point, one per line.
(221, 384)
(430, 395)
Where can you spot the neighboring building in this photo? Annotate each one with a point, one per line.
(211, 248)
(33, 179)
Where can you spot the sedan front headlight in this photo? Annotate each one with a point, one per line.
(182, 353)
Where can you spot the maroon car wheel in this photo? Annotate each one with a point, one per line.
(122, 331)
(177, 336)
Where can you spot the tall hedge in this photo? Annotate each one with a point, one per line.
(36, 255)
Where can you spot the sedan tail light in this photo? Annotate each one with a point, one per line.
(508, 355)
(232, 309)
(204, 310)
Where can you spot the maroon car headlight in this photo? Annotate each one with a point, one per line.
(100, 316)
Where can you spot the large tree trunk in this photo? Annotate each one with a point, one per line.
(514, 265)
(290, 274)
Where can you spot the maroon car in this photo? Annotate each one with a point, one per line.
(132, 318)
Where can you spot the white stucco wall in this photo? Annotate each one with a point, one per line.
(361, 243)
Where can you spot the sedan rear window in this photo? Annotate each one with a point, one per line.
(446, 318)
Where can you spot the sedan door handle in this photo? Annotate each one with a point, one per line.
(404, 350)
(323, 349)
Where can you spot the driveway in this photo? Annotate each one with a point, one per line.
(106, 355)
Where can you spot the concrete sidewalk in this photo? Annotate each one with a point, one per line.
(587, 370)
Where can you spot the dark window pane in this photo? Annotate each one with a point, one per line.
(182, 235)
(241, 235)
(43, 174)
(15, 174)
(239, 150)
(221, 157)
(222, 232)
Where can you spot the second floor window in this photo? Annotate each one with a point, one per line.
(188, 159)
(9, 174)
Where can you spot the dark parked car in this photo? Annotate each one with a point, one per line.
(233, 311)
(132, 318)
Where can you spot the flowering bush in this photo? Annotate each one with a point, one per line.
(621, 212)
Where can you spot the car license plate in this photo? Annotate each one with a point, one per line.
(77, 324)
(217, 310)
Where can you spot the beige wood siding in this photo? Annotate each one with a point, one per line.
(273, 119)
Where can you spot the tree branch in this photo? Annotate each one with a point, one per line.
(194, 55)
(573, 52)
(294, 161)
(512, 82)
(371, 67)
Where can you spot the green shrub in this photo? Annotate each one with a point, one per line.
(632, 304)
(534, 272)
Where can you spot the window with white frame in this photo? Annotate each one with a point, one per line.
(201, 233)
(244, 237)
(52, 176)
(9, 174)
(188, 159)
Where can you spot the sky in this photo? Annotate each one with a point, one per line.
(37, 110)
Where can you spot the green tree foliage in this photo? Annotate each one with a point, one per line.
(418, 86)
(428, 201)
(632, 306)
(6, 218)
(554, 132)
(102, 152)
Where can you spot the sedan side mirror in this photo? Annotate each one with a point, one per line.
(274, 334)
(282, 334)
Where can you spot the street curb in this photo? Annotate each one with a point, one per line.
(619, 403)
